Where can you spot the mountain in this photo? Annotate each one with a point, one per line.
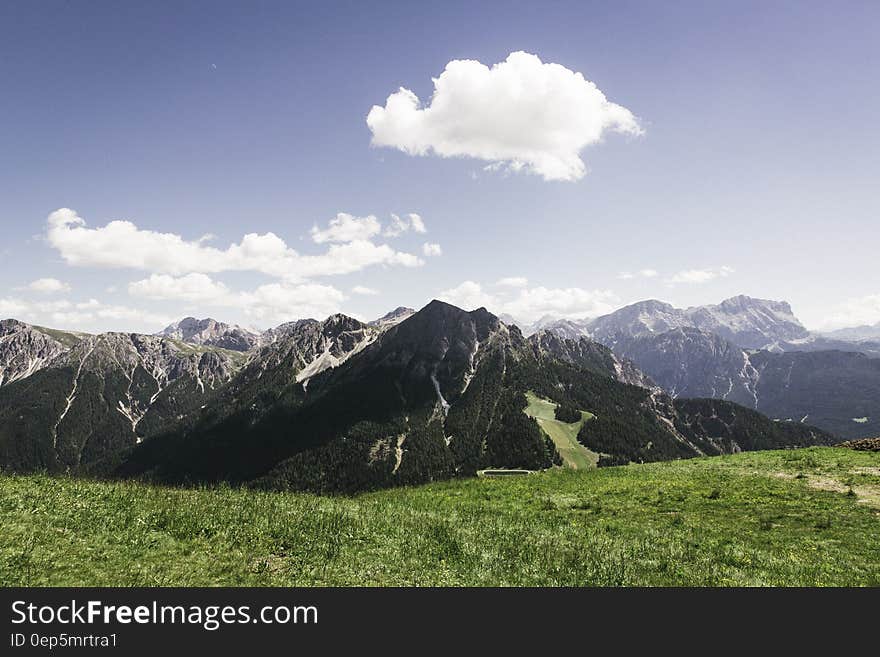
(820, 343)
(340, 405)
(394, 317)
(438, 395)
(25, 349)
(835, 390)
(211, 333)
(747, 322)
(571, 329)
(691, 362)
(588, 354)
(104, 393)
(838, 391)
(855, 334)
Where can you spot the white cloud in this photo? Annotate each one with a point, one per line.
(521, 114)
(280, 302)
(512, 281)
(417, 223)
(528, 304)
(854, 312)
(695, 276)
(400, 225)
(572, 302)
(48, 286)
(469, 295)
(12, 308)
(121, 244)
(84, 315)
(192, 287)
(641, 273)
(431, 249)
(347, 228)
(267, 304)
(365, 291)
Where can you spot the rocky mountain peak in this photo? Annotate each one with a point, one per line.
(210, 332)
(394, 317)
(25, 350)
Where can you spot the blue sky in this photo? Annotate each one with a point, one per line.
(755, 171)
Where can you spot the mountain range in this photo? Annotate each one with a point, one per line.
(342, 405)
(751, 351)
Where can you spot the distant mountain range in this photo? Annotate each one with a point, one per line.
(751, 351)
(856, 334)
(340, 404)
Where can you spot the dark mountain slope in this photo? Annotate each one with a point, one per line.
(838, 391)
(107, 392)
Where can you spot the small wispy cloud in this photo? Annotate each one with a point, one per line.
(697, 276)
(48, 286)
(641, 273)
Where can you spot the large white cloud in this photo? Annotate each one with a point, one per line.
(520, 113)
(528, 304)
(121, 244)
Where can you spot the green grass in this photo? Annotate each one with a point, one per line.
(761, 518)
(563, 434)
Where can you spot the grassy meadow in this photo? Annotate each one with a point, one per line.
(563, 434)
(797, 517)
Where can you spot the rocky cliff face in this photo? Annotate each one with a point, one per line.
(747, 322)
(211, 333)
(691, 362)
(750, 323)
(838, 391)
(24, 350)
(105, 393)
(394, 317)
(588, 354)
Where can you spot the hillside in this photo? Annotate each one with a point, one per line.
(838, 391)
(789, 518)
(102, 394)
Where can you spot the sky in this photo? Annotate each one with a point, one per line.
(262, 162)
